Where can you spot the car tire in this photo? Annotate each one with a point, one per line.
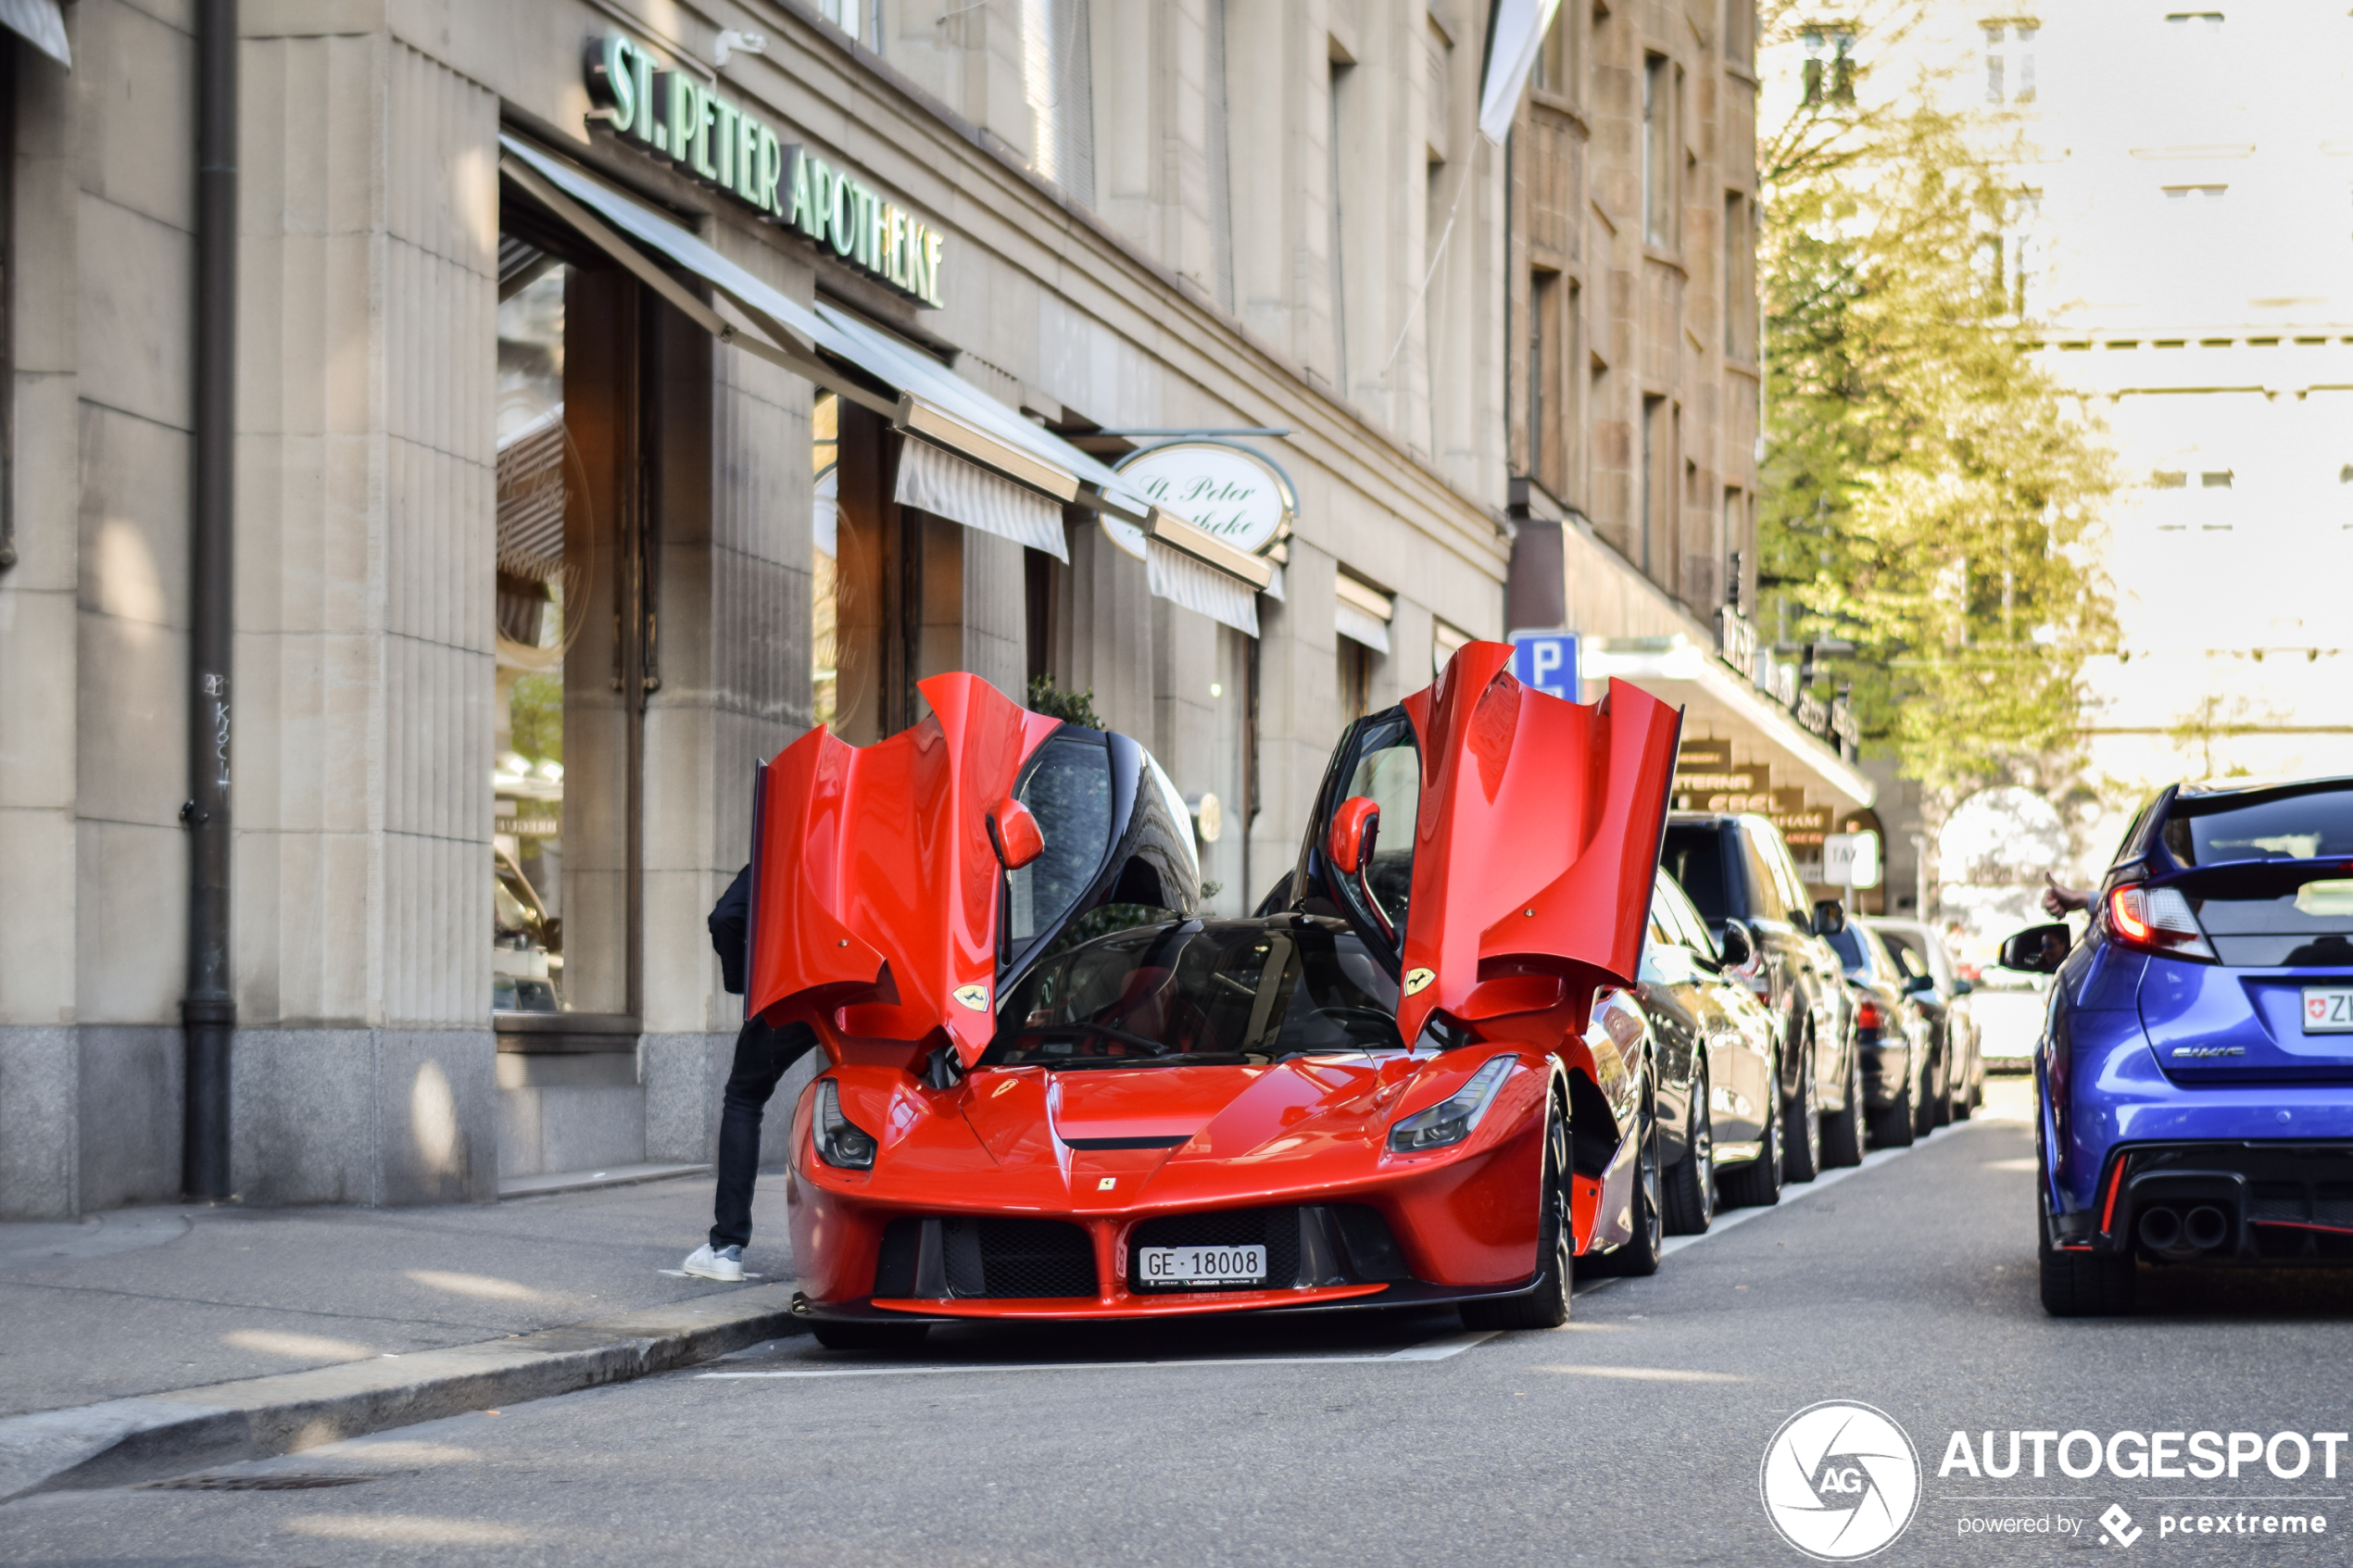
(1843, 1130)
(1689, 1206)
(1545, 1305)
(1802, 1161)
(1894, 1127)
(1757, 1184)
(1964, 1097)
(868, 1335)
(1639, 1258)
(1939, 1100)
(2083, 1284)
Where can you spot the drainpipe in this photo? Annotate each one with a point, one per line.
(208, 1010)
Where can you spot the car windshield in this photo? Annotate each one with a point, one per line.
(1233, 991)
(2302, 826)
(1854, 952)
(1694, 858)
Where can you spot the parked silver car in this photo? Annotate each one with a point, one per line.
(1944, 998)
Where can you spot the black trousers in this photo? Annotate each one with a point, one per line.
(762, 1057)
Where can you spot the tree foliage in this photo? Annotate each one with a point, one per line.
(1926, 488)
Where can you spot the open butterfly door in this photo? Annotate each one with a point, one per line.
(1529, 849)
(877, 874)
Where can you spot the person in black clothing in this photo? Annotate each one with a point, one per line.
(762, 1057)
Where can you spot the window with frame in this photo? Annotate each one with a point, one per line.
(1829, 63)
(1740, 277)
(1560, 58)
(1658, 152)
(2009, 61)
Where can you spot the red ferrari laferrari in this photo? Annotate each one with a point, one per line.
(1057, 1092)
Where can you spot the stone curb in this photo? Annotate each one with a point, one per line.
(158, 1435)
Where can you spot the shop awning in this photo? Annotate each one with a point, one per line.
(1679, 669)
(946, 485)
(1362, 613)
(41, 23)
(844, 354)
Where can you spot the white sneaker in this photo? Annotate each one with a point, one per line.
(726, 1263)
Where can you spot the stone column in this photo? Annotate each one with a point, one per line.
(366, 522)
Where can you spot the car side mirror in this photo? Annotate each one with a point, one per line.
(1013, 833)
(1355, 826)
(1830, 917)
(2039, 950)
(1739, 950)
(1919, 984)
(1962, 987)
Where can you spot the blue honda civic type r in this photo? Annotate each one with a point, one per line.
(2194, 1077)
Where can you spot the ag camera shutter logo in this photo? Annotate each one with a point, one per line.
(1840, 1481)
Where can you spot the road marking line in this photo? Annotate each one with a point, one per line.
(1439, 1350)
(1797, 1192)
(1647, 1374)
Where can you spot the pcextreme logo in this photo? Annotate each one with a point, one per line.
(1840, 1481)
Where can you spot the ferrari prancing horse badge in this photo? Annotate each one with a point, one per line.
(1417, 980)
(974, 996)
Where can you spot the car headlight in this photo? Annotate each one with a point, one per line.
(1451, 1119)
(841, 1141)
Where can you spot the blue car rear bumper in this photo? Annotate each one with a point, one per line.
(2119, 1138)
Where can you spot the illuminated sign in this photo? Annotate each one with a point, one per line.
(673, 117)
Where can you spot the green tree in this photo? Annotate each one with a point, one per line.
(1926, 488)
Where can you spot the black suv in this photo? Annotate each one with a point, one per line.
(1736, 868)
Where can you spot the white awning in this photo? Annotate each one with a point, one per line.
(921, 396)
(1195, 584)
(947, 486)
(1361, 612)
(41, 23)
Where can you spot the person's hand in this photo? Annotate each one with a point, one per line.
(2060, 901)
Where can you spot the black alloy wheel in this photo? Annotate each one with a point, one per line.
(1757, 1184)
(1802, 1116)
(868, 1335)
(1689, 1204)
(1546, 1304)
(2081, 1285)
(1893, 1127)
(1639, 1257)
(1843, 1130)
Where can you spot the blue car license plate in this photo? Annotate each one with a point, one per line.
(2328, 1010)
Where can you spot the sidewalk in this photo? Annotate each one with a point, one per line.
(174, 1301)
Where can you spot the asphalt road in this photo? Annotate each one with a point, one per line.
(1636, 1434)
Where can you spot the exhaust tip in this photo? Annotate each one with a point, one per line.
(2206, 1228)
(2160, 1228)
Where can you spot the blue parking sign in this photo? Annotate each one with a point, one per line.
(1547, 662)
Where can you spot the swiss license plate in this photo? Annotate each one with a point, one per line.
(2328, 1010)
(1170, 1266)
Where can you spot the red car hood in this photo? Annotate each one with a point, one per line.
(1161, 1112)
(875, 887)
(1535, 841)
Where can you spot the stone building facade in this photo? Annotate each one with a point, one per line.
(623, 387)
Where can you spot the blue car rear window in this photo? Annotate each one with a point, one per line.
(2302, 826)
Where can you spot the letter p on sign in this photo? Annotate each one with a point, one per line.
(1546, 661)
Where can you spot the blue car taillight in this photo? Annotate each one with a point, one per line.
(2156, 919)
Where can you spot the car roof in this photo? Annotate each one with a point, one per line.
(2208, 789)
